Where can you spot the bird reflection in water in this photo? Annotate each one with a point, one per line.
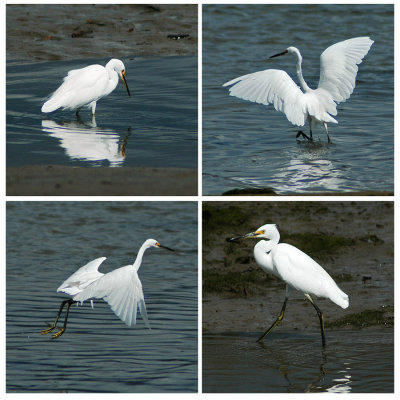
(85, 141)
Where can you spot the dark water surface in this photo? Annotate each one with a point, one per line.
(353, 362)
(250, 145)
(155, 127)
(46, 243)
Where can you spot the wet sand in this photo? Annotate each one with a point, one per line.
(58, 180)
(63, 32)
(353, 241)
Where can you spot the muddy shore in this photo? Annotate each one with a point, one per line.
(59, 180)
(353, 241)
(67, 31)
(43, 32)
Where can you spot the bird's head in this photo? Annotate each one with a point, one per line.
(119, 67)
(154, 243)
(267, 231)
(122, 76)
(289, 50)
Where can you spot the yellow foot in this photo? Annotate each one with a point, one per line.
(59, 333)
(48, 330)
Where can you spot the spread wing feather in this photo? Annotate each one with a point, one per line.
(275, 87)
(82, 278)
(338, 66)
(122, 290)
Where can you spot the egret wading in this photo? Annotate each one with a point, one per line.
(337, 80)
(120, 288)
(84, 87)
(298, 270)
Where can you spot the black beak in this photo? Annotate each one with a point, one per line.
(125, 83)
(247, 235)
(164, 247)
(280, 54)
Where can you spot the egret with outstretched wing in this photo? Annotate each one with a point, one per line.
(338, 71)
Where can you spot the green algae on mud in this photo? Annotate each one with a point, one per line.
(364, 319)
(322, 245)
(236, 283)
(217, 219)
(319, 244)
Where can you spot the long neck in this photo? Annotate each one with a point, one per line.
(112, 77)
(262, 254)
(139, 256)
(303, 83)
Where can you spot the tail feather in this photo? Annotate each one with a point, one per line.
(50, 106)
(340, 298)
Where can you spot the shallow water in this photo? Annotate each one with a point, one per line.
(250, 145)
(155, 127)
(296, 363)
(46, 243)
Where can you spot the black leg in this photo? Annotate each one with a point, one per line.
(326, 130)
(46, 331)
(302, 134)
(278, 320)
(321, 318)
(62, 330)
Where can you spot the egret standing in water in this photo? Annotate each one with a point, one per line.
(84, 87)
(120, 288)
(298, 270)
(338, 71)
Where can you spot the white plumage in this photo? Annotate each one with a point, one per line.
(82, 278)
(122, 290)
(298, 270)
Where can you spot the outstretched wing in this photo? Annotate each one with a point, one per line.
(122, 290)
(339, 69)
(275, 87)
(82, 278)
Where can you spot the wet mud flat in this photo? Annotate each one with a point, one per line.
(58, 180)
(353, 241)
(67, 31)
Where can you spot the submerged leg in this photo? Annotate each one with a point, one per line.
(46, 331)
(320, 316)
(62, 330)
(326, 130)
(302, 134)
(279, 319)
(93, 107)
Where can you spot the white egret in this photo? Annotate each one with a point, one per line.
(298, 270)
(120, 288)
(85, 86)
(338, 71)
